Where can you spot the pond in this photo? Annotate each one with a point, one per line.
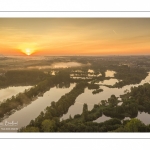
(25, 115)
(91, 71)
(109, 82)
(90, 99)
(102, 119)
(29, 112)
(11, 91)
(78, 74)
(109, 73)
(80, 78)
(144, 117)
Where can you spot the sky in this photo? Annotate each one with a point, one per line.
(74, 36)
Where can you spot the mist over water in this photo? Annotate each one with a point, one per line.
(58, 65)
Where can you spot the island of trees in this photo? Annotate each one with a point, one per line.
(127, 72)
(48, 121)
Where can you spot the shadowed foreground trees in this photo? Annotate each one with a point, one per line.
(56, 110)
(22, 77)
(84, 122)
(134, 125)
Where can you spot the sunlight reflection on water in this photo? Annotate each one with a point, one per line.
(11, 91)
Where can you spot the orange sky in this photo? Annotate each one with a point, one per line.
(74, 36)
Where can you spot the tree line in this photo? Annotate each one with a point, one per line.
(21, 77)
(136, 100)
(15, 102)
(49, 120)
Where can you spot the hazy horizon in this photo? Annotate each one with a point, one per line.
(74, 36)
(33, 55)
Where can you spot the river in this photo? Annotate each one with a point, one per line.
(11, 91)
(23, 117)
(90, 99)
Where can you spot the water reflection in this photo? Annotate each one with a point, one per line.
(120, 103)
(144, 117)
(90, 99)
(81, 78)
(109, 73)
(91, 71)
(11, 91)
(108, 82)
(146, 80)
(78, 74)
(53, 72)
(102, 119)
(25, 115)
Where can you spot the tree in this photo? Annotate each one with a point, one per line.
(113, 100)
(53, 104)
(70, 117)
(135, 125)
(85, 112)
(30, 129)
(48, 125)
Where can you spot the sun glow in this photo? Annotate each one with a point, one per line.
(28, 51)
(27, 48)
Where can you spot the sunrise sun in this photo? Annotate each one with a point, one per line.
(28, 51)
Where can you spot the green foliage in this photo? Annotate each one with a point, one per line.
(93, 86)
(129, 75)
(57, 109)
(85, 112)
(30, 95)
(113, 100)
(62, 76)
(106, 126)
(48, 125)
(21, 77)
(137, 99)
(134, 125)
(30, 129)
